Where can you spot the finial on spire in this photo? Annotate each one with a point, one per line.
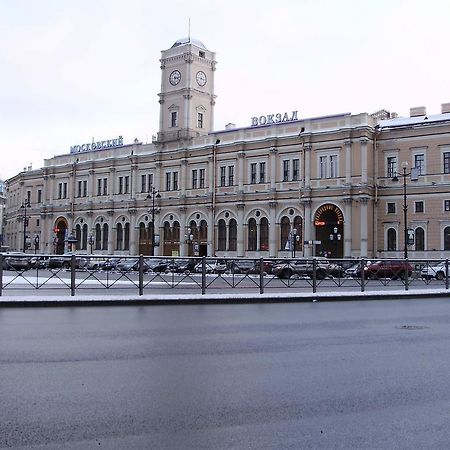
(189, 29)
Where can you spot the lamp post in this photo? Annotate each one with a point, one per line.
(91, 241)
(414, 175)
(335, 238)
(23, 208)
(153, 195)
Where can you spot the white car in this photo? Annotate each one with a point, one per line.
(437, 271)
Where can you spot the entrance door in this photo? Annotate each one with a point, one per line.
(329, 225)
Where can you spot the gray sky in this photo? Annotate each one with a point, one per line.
(73, 70)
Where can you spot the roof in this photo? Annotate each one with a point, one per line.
(189, 40)
(410, 121)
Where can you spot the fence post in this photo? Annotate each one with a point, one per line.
(261, 275)
(406, 274)
(1, 273)
(73, 262)
(446, 274)
(141, 274)
(203, 275)
(363, 278)
(314, 277)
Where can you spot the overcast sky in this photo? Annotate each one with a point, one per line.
(73, 70)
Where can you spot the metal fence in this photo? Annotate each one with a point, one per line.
(21, 273)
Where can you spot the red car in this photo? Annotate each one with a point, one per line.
(393, 269)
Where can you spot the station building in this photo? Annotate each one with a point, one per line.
(283, 186)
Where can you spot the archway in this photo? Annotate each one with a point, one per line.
(329, 225)
(59, 240)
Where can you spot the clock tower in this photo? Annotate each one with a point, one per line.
(187, 91)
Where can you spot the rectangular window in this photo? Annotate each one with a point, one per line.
(85, 188)
(105, 186)
(295, 169)
(391, 208)
(143, 183)
(150, 181)
(419, 163)
(65, 190)
(391, 163)
(38, 222)
(323, 167)
(199, 120)
(173, 119)
(127, 184)
(168, 183)
(120, 185)
(80, 187)
(175, 181)
(230, 175)
(39, 199)
(447, 205)
(286, 170)
(60, 190)
(446, 162)
(262, 172)
(333, 166)
(99, 186)
(28, 196)
(202, 178)
(252, 173)
(222, 175)
(419, 206)
(194, 178)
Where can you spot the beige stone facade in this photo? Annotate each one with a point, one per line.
(282, 186)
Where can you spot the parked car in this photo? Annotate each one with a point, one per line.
(130, 264)
(243, 266)
(183, 265)
(393, 269)
(95, 263)
(434, 271)
(218, 266)
(303, 267)
(109, 264)
(39, 262)
(159, 265)
(16, 261)
(64, 261)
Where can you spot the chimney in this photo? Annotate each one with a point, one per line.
(417, 111)
(445, 108)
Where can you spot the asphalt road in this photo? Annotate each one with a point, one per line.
(347, 375)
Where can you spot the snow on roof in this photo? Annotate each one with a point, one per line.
(189, 40)
(410, 121)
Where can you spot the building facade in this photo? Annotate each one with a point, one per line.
(283, 186)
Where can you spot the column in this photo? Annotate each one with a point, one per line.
(158, 231)
(364, 223)
(273, 168)
(110, 231)
(45, 190)
(91, 183)
(134, 186)
(157, 180)
(112, 183)
(348, 162)
(308, 226)
(183, 177)
(211, 232)
(240, 229)
(133, 233)
(241, 163)
(307, 149)
(183, 232)
(348, 228)
(211, 174)
(363, 143)
(51, 189)
(273, 229)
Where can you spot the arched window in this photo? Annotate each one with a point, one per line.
(78, 236)
(84, 237)
(232, 240)
(447, 238)
(126, 241)
(105, 237)
(203, 231)
(222, 242)
(176, 232)
(194, 230)
(264, 234)
(391, 239)
(419, 239)
(119, 237)
(98, 237)
(252, 235)
(285, 229)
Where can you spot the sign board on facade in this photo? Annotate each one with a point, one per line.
(274, 118)
(410, 236)
(97, 145)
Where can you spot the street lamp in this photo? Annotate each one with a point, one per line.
(91, 240)
(414, 176)
(152, 195)
(23, 208)
(335, 238)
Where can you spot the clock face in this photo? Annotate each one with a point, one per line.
(201, 78)
(175, 77)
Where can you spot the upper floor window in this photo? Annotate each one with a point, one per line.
(202, 178)
(230, 175)
(295, 169)
(262, 172)
(253, 173)
(120, 185)
(175, 181)
(419, 207)
(419, 163)
(174, 119)
(146, 182)
(223, 175)
(171, 181)
(286, 169)
(446, 162)
(168, 181)
(390, 207)
(328, 166)
(391, 166)
(447, 205)
(194, 178)
(199, 120)
(39, 196)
